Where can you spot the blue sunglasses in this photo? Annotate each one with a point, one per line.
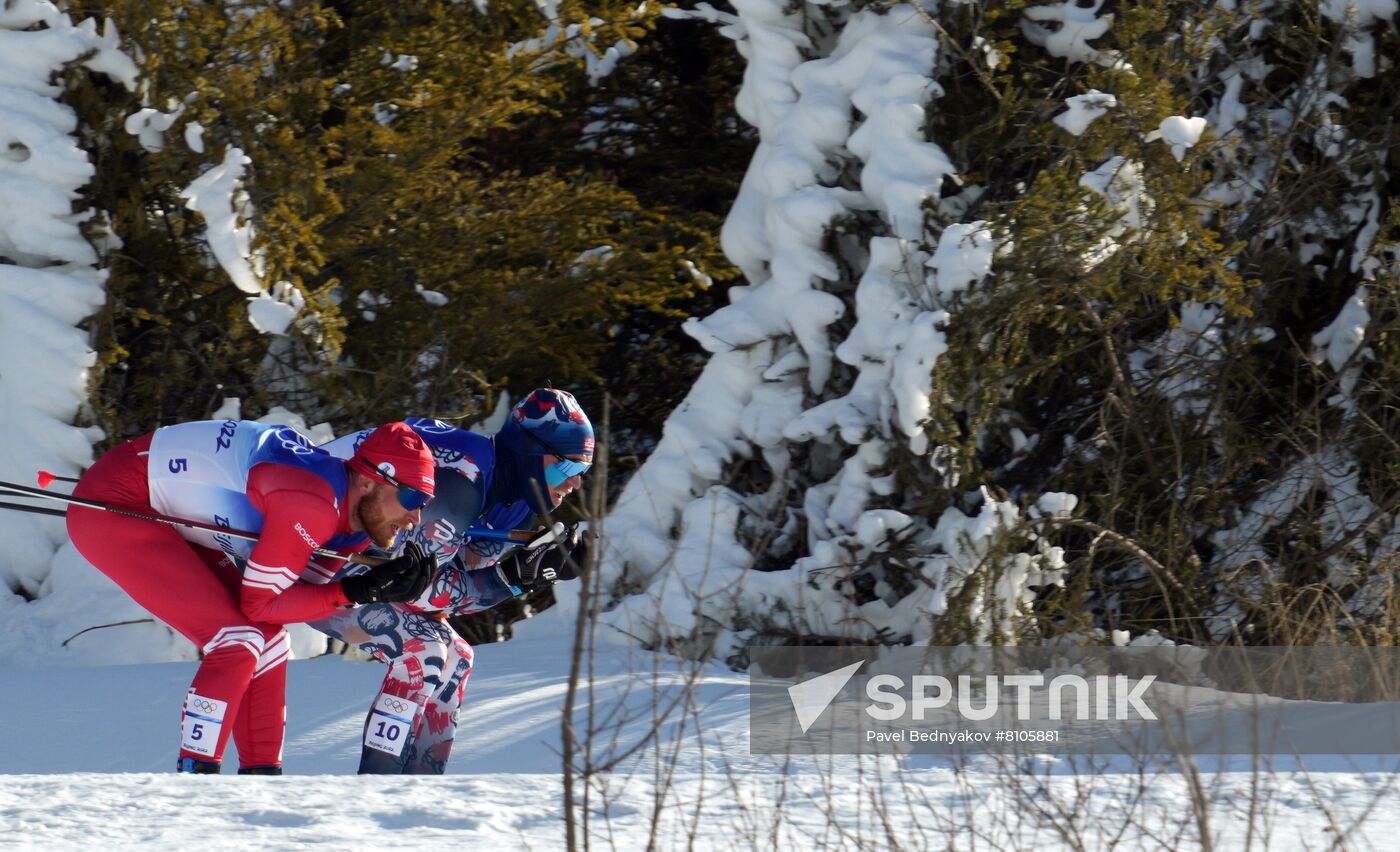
(409, 497)
(556, 473)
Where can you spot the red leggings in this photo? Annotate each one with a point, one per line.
(195, 591)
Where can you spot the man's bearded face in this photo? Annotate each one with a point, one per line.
(380, 515)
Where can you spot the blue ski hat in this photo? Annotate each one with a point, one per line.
(548, 422)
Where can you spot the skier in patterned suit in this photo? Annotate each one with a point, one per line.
(499, 482)
(230, 596)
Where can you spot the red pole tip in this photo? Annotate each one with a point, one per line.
(46, 479)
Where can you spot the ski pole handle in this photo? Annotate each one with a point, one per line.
(514, 536)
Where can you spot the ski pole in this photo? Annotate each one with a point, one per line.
(37, 510)
(26, 491)
(64, 643)
(510, 536)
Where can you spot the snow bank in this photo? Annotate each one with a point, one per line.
(97, 774)
(49, 283)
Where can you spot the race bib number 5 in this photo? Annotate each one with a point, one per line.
(202, 723)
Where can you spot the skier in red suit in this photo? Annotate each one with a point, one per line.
(230, 596)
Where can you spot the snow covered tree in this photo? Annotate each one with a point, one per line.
(52, 279)
(373, 145)
(1030, 284)
(662, 127)
(765, 504)
(1220, 413)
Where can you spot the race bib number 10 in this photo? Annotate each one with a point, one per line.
(390, 724)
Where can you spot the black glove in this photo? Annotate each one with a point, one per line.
(547, 564)
(395, 581)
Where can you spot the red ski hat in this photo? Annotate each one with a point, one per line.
(395, 449)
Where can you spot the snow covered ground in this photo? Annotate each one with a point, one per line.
(85, 758)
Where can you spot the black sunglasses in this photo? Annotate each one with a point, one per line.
(561, 454)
